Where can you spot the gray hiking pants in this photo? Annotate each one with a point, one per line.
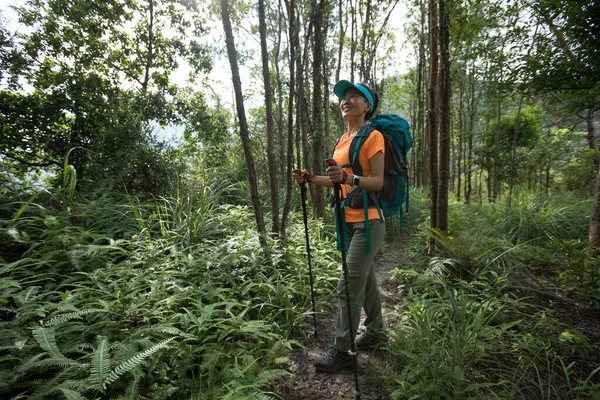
(362, 284)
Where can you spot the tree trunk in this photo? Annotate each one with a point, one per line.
(469, 158)
(495, 178)
(461, 129)
(319, 16)
(513, 158)
(547, 176)
(591, 135)
(343, 27)
(594, 237)
(150, 45)
(445, 96)
(302, 103)
(365, 74)
(293, 43)
(432, 111)
(353, 37)
(272, 165)
(239, 101)
(421, 157)
(279, 117)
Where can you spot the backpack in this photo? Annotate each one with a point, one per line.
(398, 140)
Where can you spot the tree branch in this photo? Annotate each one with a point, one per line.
(46, 163)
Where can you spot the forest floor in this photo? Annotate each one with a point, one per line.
(304, 383)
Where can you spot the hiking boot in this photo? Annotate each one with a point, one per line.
(334, 360)
(366, 341)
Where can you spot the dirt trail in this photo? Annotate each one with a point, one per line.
(304, 383)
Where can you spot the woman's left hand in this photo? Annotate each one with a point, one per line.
(337, 174)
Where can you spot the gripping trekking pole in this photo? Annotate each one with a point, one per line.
(337, 190)
(312, 293)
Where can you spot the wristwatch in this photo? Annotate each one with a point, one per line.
(355, 181)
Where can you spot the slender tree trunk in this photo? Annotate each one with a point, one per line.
(280, 140)
(262, 27)
(293, 43)
(513, 158)
(594, 236)
(469, 158)
(452, 163)
(591, 136)
(150, 45)
(326, 68)
(432, 114)
(445, 139)
(495, 177)
(318, 17)
(421, 172)
(353, 37)
(239, 101)
(302, 102)
(364, 73)
(480, 186)
(413, 123)
(461, 129)
(341, 16)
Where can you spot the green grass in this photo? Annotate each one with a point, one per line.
(467, 331)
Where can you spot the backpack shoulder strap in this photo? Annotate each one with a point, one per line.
(355, 147)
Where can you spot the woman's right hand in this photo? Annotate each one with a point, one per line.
(302, 176)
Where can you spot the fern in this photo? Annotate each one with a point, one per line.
(132, 392)
(61, 319)
(100, 367)
(134, 362)
(72, 395)
(47, 341)
(168, 329)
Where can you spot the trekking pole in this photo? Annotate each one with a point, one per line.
(312, 293)
(337, 190)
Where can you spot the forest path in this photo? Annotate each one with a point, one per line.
(304, 383)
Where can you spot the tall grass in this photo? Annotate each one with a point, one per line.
(539, 216)
(466, 332)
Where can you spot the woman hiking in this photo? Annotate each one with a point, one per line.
(358, 102)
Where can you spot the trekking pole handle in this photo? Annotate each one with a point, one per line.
(332, 163)
(307, 176)
(302, 187)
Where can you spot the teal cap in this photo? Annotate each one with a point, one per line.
(340, 88)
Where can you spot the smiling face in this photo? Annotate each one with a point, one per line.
(354, 105)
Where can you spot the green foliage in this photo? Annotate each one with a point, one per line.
(467, 331)
(98, 76)
(565, 57)
(537, 217)
(530, 127)
(580, 174)
(578, 269)
(408, 223)
(120, 297)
